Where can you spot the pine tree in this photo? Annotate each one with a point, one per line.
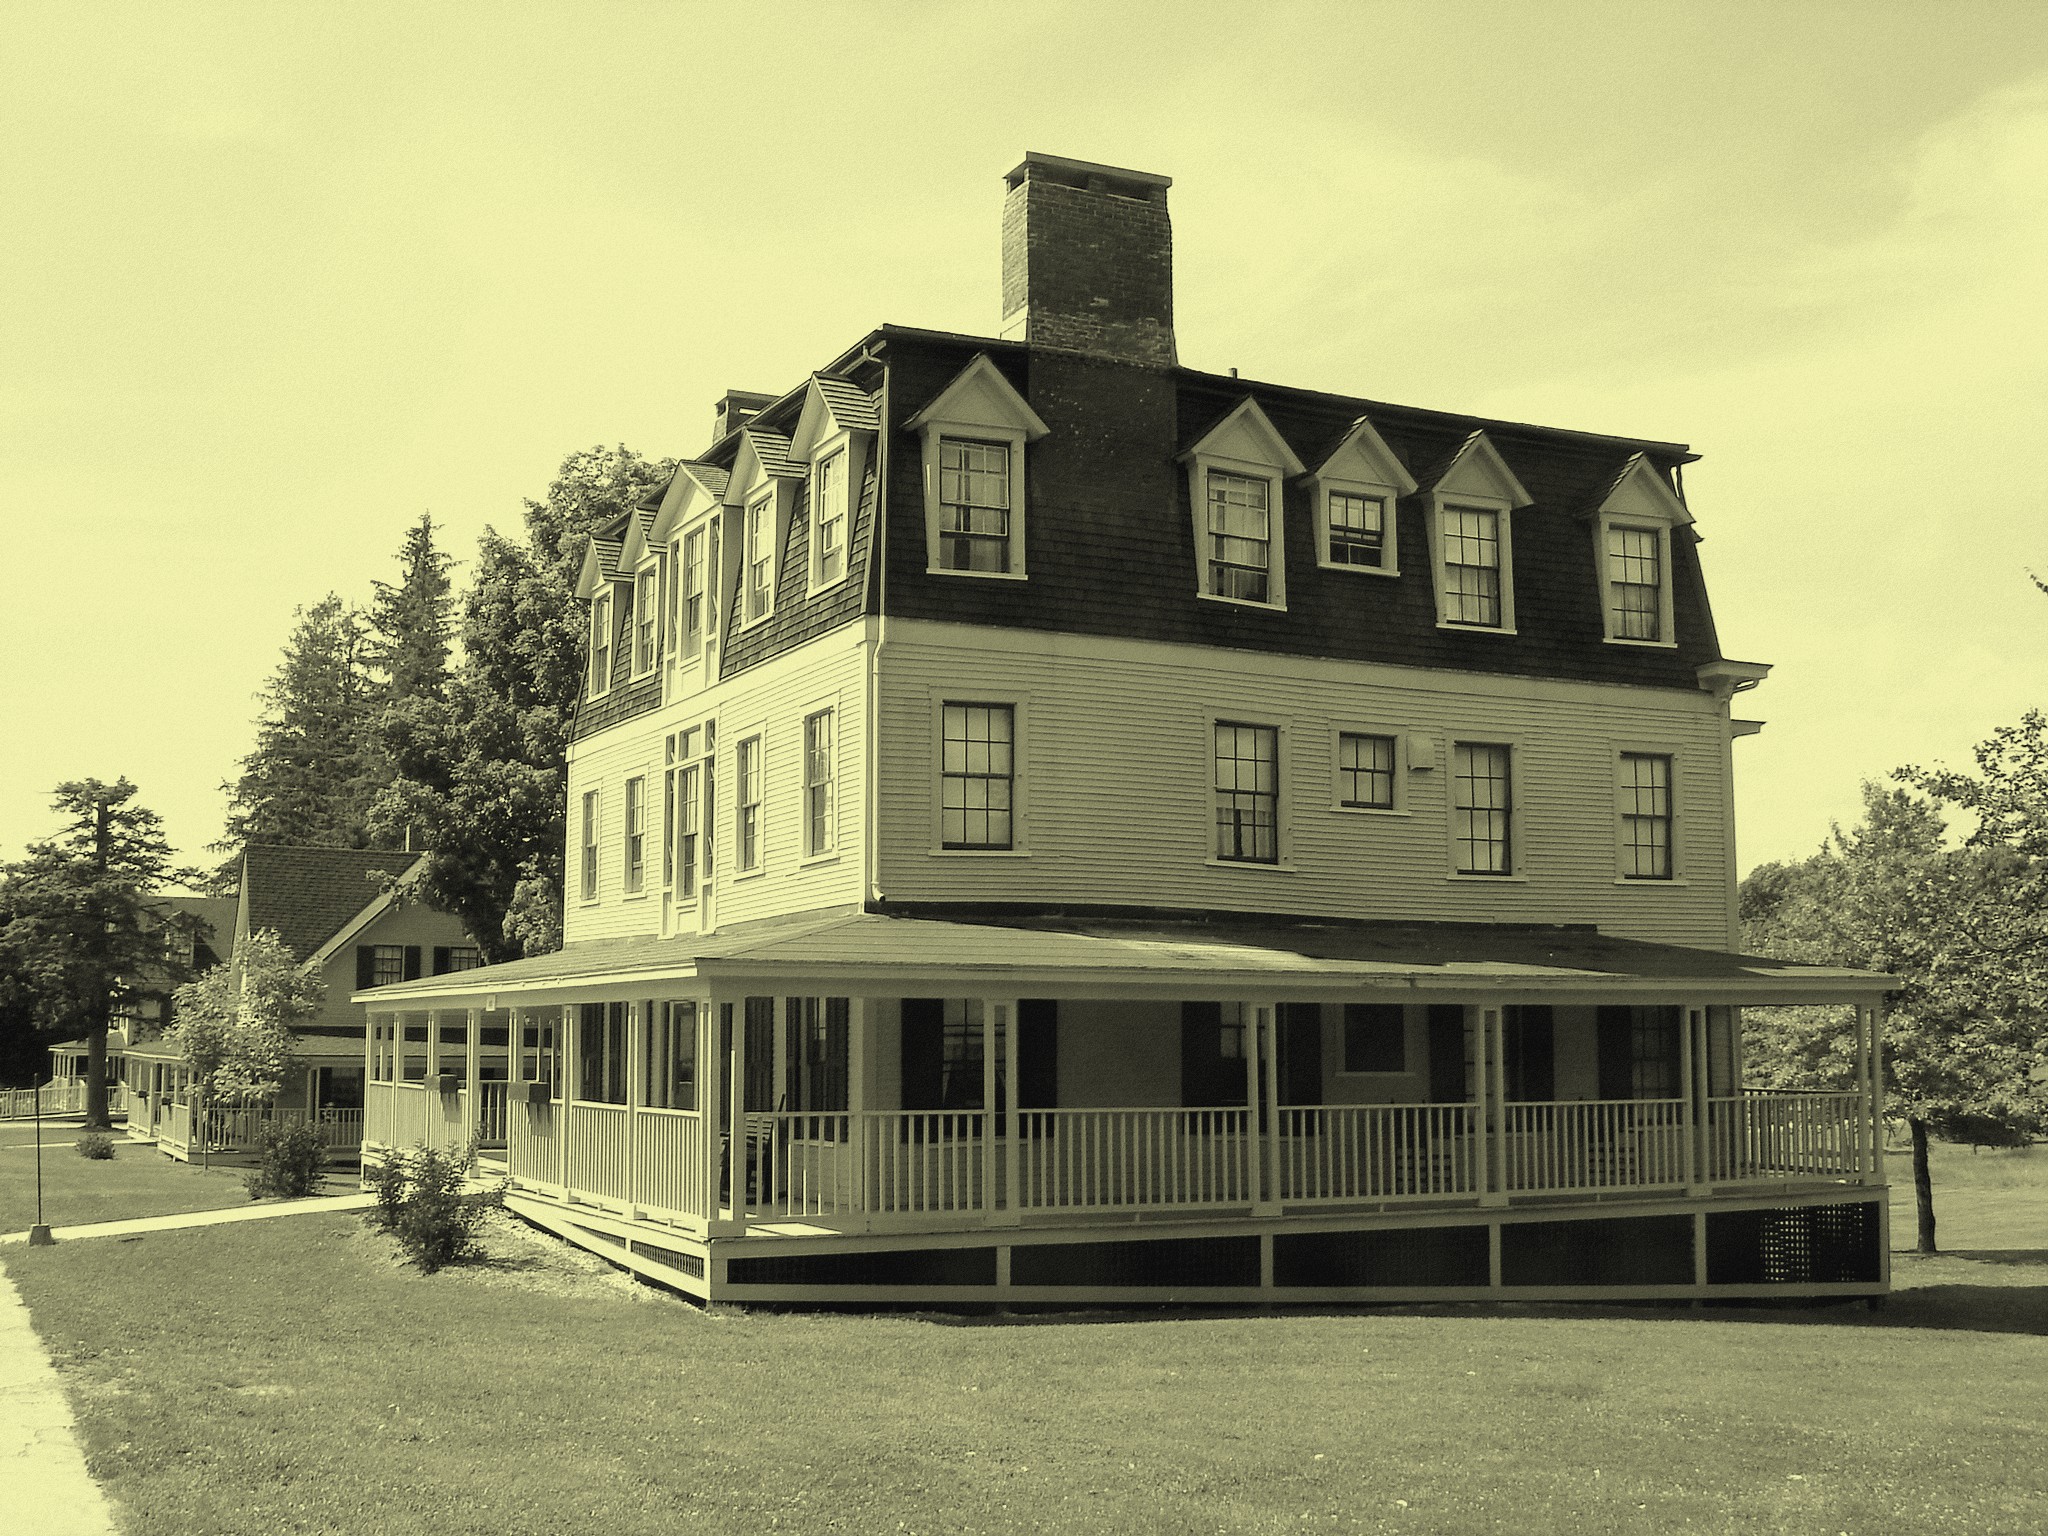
(76, 936)
(409, 622)
(483, 773)
(312, 773)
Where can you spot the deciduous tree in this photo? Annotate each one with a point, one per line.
(233, 1026)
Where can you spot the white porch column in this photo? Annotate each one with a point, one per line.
(433, 1042)
(1484, 1026)
(568, 1047)
(472, 1077)
(1689, 1030)
(738, 1149)
(1013, 1144)
(1254, 1143)
(1269, 1138)
(1866, 1129)
(998, 1050)
(1877, 1013)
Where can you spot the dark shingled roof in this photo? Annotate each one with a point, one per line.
(772, 448)
(307, 895)
(852, 407)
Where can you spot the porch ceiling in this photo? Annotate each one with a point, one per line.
(874, 954)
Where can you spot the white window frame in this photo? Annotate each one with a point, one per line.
(646, 620)
(1362, 465)
(756, 784)
(671, 601)
(760, 501)
(1673, 755)
(1518, 809)
(632, 880)
(1640, 498)
(979, 405)
(963, 695)
(817, 845)
(601, 626)
(836, 449)
(590, 852)
(1246, 444)
(1338, 731)
(1440, 507)
(1283, 798)
(689, 646)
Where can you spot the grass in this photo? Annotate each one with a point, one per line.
(289, 1376)
(137, 1181)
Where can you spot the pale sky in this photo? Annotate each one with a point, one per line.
(275, 279)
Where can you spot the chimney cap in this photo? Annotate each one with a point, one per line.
(1040, 166)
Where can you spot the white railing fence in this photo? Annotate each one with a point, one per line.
(1776, 1134)
(1592, 1145)
(1102, 1159)
(1377, 1152)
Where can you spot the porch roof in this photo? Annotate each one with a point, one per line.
(878, 954)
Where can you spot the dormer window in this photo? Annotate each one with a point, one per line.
(600, 643)
(646, 614)
(1472, 550)
(1356, 489)
(975, 434)
(759, 558)
(1236, 474)
(828, 518)
(694, 587)
(1633, 525)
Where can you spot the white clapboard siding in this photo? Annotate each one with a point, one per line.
(1116, 797)
(773, 698)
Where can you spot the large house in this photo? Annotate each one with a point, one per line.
(1047, 824)
(343, 912)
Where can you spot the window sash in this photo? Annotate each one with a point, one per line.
(818, 783)
(1472, 586)
(1247, 781)
(977, 775)
(829, 516)
(645, 611)
(974, 505)
(1482, 799)
(747, 798)
(601, 643)
(760, 557)
(1646, 816)
(590, 845)
(683, 844)
(693, 591)
(1365, 771)
(1358, 529)
(1240, 537)
(636, 833)
(1635, 583)
(672, 1055)
(387, 964)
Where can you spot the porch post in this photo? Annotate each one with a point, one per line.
(433, 1043)
(738, 1149)
(1269, 1136)
(1691, 1081)
(1254, 1154)
(569, 1045)
(1013, 1144)
(638, 1027)
(372, 1038)
(472, 1078)
(1877, 1012)
(1486, 1173)
(1865, 1035)
(991, 1038)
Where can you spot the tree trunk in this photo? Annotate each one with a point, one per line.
(1923, 1185)
(96, 1117)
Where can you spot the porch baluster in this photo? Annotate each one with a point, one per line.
(472, 1080)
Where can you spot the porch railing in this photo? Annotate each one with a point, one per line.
(1102, 1159)
(490, 1113)
(668, 1165)
(1594, 1145)
(600, 1156)
(1776, 1134)
(1377, 1152)
(237, 1129)
(532, 1154)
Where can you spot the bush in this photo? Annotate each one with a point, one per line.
(289, 1161)
(422, 1201)
(98, 1146)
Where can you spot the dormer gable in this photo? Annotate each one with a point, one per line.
(637, 546)
(760, 493)
(980, 396)
(693, 490)
(835, 433)
(600, 565)
(1640, 493)
(831, 407)
(975, 434)
(1237, 471)
(1472, 497)
(1632, 526)
(762, 456)
(1355, 490)
(1475, 468)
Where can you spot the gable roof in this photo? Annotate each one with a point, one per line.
(307, 895)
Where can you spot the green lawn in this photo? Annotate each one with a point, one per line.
(288, 1376)
(137, 1181)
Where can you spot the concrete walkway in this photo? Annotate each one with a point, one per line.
(44, 1486)
(202, 1218)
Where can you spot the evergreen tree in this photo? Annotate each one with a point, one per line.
(483, 772)
(409, 632)
(1892, 894)
(313, 772)
(75, 939)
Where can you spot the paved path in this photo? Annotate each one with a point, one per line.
(202, 1218)
(44, 1486)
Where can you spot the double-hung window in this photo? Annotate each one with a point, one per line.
(1240, 549)
(1358, 530)
(589, 882)
(671, 1055)
(974, 505)
(683, 822)
(693, 587)
(828, 518)
(760, 556)
(1635, 583)
(646, 614)
(820, 813)
(387, 964)
(1365, 772)
(1646, 814)
(977, 776)
(1472, 566)
(1482, 809)
(636, 834)
(1247, 793)
(600, 643)
(747, 804)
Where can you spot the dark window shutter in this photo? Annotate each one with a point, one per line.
(1038, 1053)
(1446, 1053)
(793, 1047)
(760, 1085)
(1207, 1078)
(366, 966)
(441, 953)
(1532, 1053)
(412, 962)
(838, 1065)
(1617, 1052)
(924, 1045)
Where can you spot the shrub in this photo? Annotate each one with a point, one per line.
(423, 1202)
(289, 1161)
(98, 1146)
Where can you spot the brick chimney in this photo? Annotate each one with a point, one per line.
(735, 409)
(1088, 260)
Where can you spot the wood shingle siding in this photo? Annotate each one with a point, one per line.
(1114, 783)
